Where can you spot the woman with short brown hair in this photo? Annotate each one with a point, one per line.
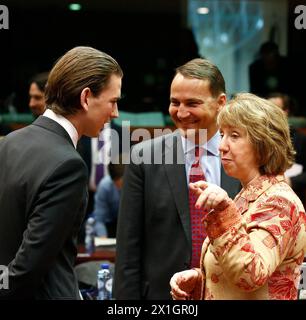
(256, 243)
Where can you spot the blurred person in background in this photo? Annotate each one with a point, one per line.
(37, 102)
(270, 72)
(107, 199)
(296, 175)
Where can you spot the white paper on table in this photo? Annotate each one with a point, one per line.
(105, 242)
(295, 170)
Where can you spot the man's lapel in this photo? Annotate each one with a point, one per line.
(177, 178)
(175, 171)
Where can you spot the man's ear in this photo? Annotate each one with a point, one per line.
(221, 101)
(85, 94)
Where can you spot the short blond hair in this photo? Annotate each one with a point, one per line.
(267, 129)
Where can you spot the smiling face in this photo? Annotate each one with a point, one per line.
(102, 108)
(192, 105)
(237, 154)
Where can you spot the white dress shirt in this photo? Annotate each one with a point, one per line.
(101, 156)
(210, 159)
(65, 123)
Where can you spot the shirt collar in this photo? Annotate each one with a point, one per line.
(212, 145)
(65, 123)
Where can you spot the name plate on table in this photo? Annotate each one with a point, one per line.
(105, 242)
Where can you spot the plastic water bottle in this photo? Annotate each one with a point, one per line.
(90, 235)
(105, 283)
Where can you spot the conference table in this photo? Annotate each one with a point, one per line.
(105, 249)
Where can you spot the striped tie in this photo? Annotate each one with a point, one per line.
(198, 233)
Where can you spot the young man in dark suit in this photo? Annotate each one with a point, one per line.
(154, 232)
(44, 197)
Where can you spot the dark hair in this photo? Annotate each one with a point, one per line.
(77, 69)
(41, 80)
(289, 103)
(116, 171)
(204, 70)
(268, 47)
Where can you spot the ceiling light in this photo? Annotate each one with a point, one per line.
(75, 7)
(203, 10)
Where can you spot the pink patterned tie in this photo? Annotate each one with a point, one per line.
(198, 233)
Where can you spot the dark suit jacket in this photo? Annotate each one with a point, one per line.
(42, 201)
(153, 232)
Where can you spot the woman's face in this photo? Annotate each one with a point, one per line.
(238, 155)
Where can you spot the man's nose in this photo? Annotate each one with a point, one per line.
(115, 112)
(182, 112)
(31, 103)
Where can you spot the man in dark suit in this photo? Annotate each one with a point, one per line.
(37, 103)
(270, 72)
(154, 236)
(44, 197)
